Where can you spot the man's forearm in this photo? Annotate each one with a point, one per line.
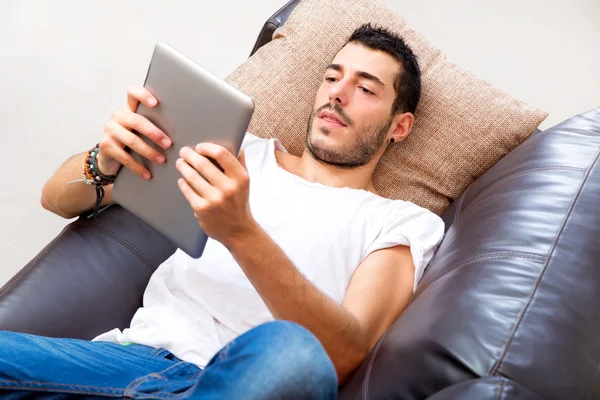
(68, 201)
(290, 296)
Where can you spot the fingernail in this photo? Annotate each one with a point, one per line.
(151, 101)
(182, 151)
(179, 161)
(166, 142)
(146, 175)
(160, 159)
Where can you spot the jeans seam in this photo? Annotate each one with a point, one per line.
(166, 395)
(172, 366)
(58, 388)
(162, 394)
(58, 384)
(155, 351)
(130, 390)
(157, 375)
(196, 374)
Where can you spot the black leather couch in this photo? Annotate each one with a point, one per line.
(506, 309)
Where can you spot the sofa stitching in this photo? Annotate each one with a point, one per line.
(549, 259)
(122, 239)
(128, 246)
(124, 243)
(491, 256)
(371, 361)
(521, 254)
(513, 175)
(524, 172)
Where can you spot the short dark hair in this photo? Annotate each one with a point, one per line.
(408, 82)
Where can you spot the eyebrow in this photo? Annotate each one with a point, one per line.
(362, 74)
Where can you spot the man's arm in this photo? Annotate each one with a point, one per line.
(70, 201)
(378, 292)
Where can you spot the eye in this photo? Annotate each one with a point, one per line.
(365, 90)
(330, 79)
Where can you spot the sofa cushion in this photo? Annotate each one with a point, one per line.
(463, 124)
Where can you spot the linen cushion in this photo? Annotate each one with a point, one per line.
(463, 125)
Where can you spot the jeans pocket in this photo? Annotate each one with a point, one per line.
(177, 381)
(164, 353)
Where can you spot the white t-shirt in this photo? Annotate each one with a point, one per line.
(193, 307)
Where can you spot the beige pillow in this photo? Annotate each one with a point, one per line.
(463, 125)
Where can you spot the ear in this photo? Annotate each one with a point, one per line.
(401, 126)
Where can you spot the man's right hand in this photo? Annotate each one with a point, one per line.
(118, 134)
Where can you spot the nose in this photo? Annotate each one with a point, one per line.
(338, 93)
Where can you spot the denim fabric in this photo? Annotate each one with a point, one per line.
(276, 360)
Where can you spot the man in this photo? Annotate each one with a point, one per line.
(305, 240)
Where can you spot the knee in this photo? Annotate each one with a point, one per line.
(296, 350)
(9, 338)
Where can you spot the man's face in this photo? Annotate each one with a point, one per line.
(352, 112)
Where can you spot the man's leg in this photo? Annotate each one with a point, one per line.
(39, 367)
(276, 360)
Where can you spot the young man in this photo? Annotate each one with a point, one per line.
(305, 240)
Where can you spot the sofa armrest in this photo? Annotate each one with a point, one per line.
(88, 280)
(513, 288)
(491, 387)
(276, 20)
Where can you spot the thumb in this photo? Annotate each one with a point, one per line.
(242, 159)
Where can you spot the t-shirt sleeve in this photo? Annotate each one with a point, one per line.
(413, 226)
(249, 140)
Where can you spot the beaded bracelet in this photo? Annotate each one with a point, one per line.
(93, 176)
(91, 171)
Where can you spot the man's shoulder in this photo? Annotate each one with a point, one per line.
(253, 140)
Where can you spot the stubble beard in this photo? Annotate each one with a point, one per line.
(367, 142)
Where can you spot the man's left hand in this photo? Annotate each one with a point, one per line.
(219, 198)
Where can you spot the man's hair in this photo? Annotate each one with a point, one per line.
(408, 82)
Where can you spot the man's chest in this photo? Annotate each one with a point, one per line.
(315, 226)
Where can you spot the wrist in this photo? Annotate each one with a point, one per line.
(106, 166)
(244, 237)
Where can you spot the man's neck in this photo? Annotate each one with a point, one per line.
(309, 169)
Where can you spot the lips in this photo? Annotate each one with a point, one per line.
(331, 118)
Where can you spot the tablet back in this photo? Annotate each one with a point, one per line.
(194, 106)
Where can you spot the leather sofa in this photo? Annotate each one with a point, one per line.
(506, 309)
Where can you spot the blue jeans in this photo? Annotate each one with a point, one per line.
(276, 360)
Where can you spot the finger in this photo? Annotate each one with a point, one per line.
(143, 126)
(204, 166)
(137, 94)
(117, 153)
(127, 138)
(242, 159)
(195, 180)
(197, 202)
(226, 160)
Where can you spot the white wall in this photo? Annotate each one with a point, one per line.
(65, 64)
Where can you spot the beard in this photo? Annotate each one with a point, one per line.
(368, 141)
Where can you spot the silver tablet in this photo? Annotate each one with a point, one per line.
(194, 106)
